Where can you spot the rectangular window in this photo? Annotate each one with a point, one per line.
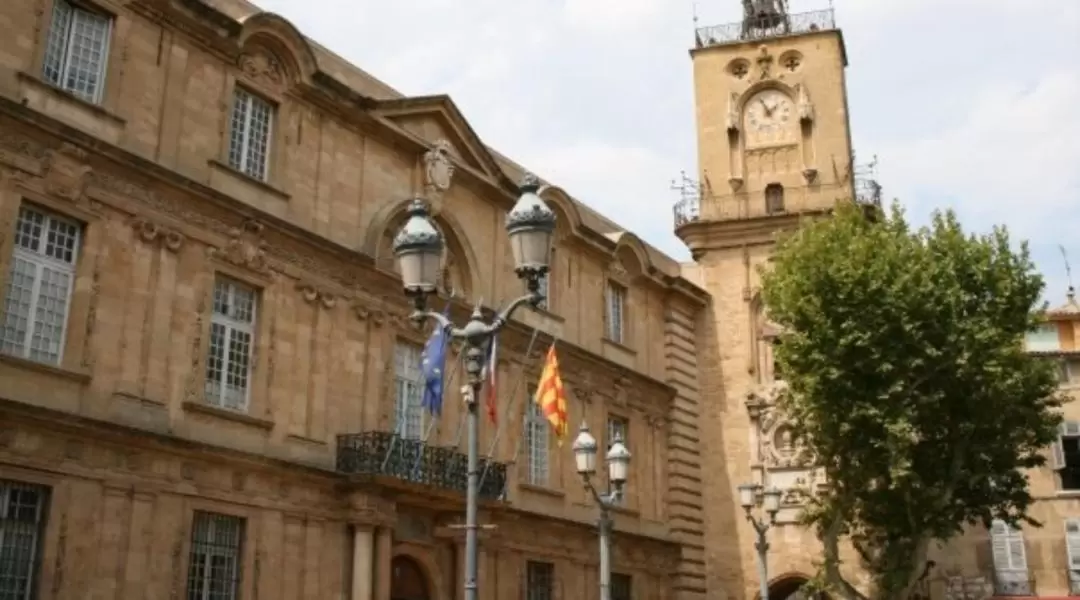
(621, 586)
(545, 289)
(408, 379)
(232, 334)
(615, 312)
(1069, 371)
(214, 572)
(616, 426)
(249, 134)
(77, 50)
(536, 441)
(539, 580)
(39, 286)
(1044, 338)
(22, 527)
(1072, 553)
(1011, 577)
(1065, 455)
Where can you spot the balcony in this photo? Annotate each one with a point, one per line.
(389, 459)
(765, 27)
(1013, 583)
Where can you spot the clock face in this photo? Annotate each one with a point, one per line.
(770, 118)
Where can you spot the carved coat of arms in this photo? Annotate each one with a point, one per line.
(438, 168)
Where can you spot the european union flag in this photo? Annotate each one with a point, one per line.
(434, 367)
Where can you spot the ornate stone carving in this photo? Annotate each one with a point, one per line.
(779, 447)
(805, 106)
(365, 312)
(262, 67)
(245, 248)
(764, 63)
(617, 269)
(316, 296)
(67, 174)
(151, 233)
(438, 169)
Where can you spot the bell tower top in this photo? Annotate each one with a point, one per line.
(773, 140)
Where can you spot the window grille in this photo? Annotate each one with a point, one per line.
(408, 398)
(214, 569)
(539, 581)
(22, 527)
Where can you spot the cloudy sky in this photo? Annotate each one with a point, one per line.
(968, 104)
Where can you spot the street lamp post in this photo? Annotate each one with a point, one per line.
(618, 463)
(418, 247)
(769, 500)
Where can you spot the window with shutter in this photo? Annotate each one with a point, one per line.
(1065, 455)
(1010, 560)
(1072, 553)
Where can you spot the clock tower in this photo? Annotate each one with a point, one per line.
(774, 148)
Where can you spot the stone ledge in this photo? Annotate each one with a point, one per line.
(40, 94)
(76, 375)
(263, 186)
(539, 489)
(223, 413)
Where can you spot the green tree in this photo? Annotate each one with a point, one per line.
(909, 385)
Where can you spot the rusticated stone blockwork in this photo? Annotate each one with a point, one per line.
(196, 233)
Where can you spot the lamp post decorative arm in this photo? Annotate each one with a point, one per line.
(419, 245)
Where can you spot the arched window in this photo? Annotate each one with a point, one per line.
(774, 198)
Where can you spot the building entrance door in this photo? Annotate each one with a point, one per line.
(407, 581)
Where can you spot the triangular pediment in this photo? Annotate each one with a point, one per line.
(436, 119)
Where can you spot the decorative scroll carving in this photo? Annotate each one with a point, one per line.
(13, 146)
(261, 67)
(151, 233)
(764, 63)
(364, 311)
(316, 296)
(67, 175)
(805, 106)
(438, 169)
(245, 248)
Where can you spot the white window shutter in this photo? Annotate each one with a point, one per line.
(1057, 452)
(1008, 547)
(1017, 553)
(999, 543)
(1072, 543)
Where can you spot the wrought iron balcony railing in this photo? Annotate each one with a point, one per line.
(765, 27)
(388, 455)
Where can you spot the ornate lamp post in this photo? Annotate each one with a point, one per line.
(769, 500)
(618, 463)
(418, 248)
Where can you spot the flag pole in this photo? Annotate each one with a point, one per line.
(431, 424)
(513, 398)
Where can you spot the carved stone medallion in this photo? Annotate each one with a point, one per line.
(438, 168)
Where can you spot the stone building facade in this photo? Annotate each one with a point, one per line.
(208, 386)
(774, 148)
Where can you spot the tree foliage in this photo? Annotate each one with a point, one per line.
(910, 387)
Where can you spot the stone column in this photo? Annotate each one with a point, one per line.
(363, 579)
(384, 549)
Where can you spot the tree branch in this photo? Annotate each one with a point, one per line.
(830, 540)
